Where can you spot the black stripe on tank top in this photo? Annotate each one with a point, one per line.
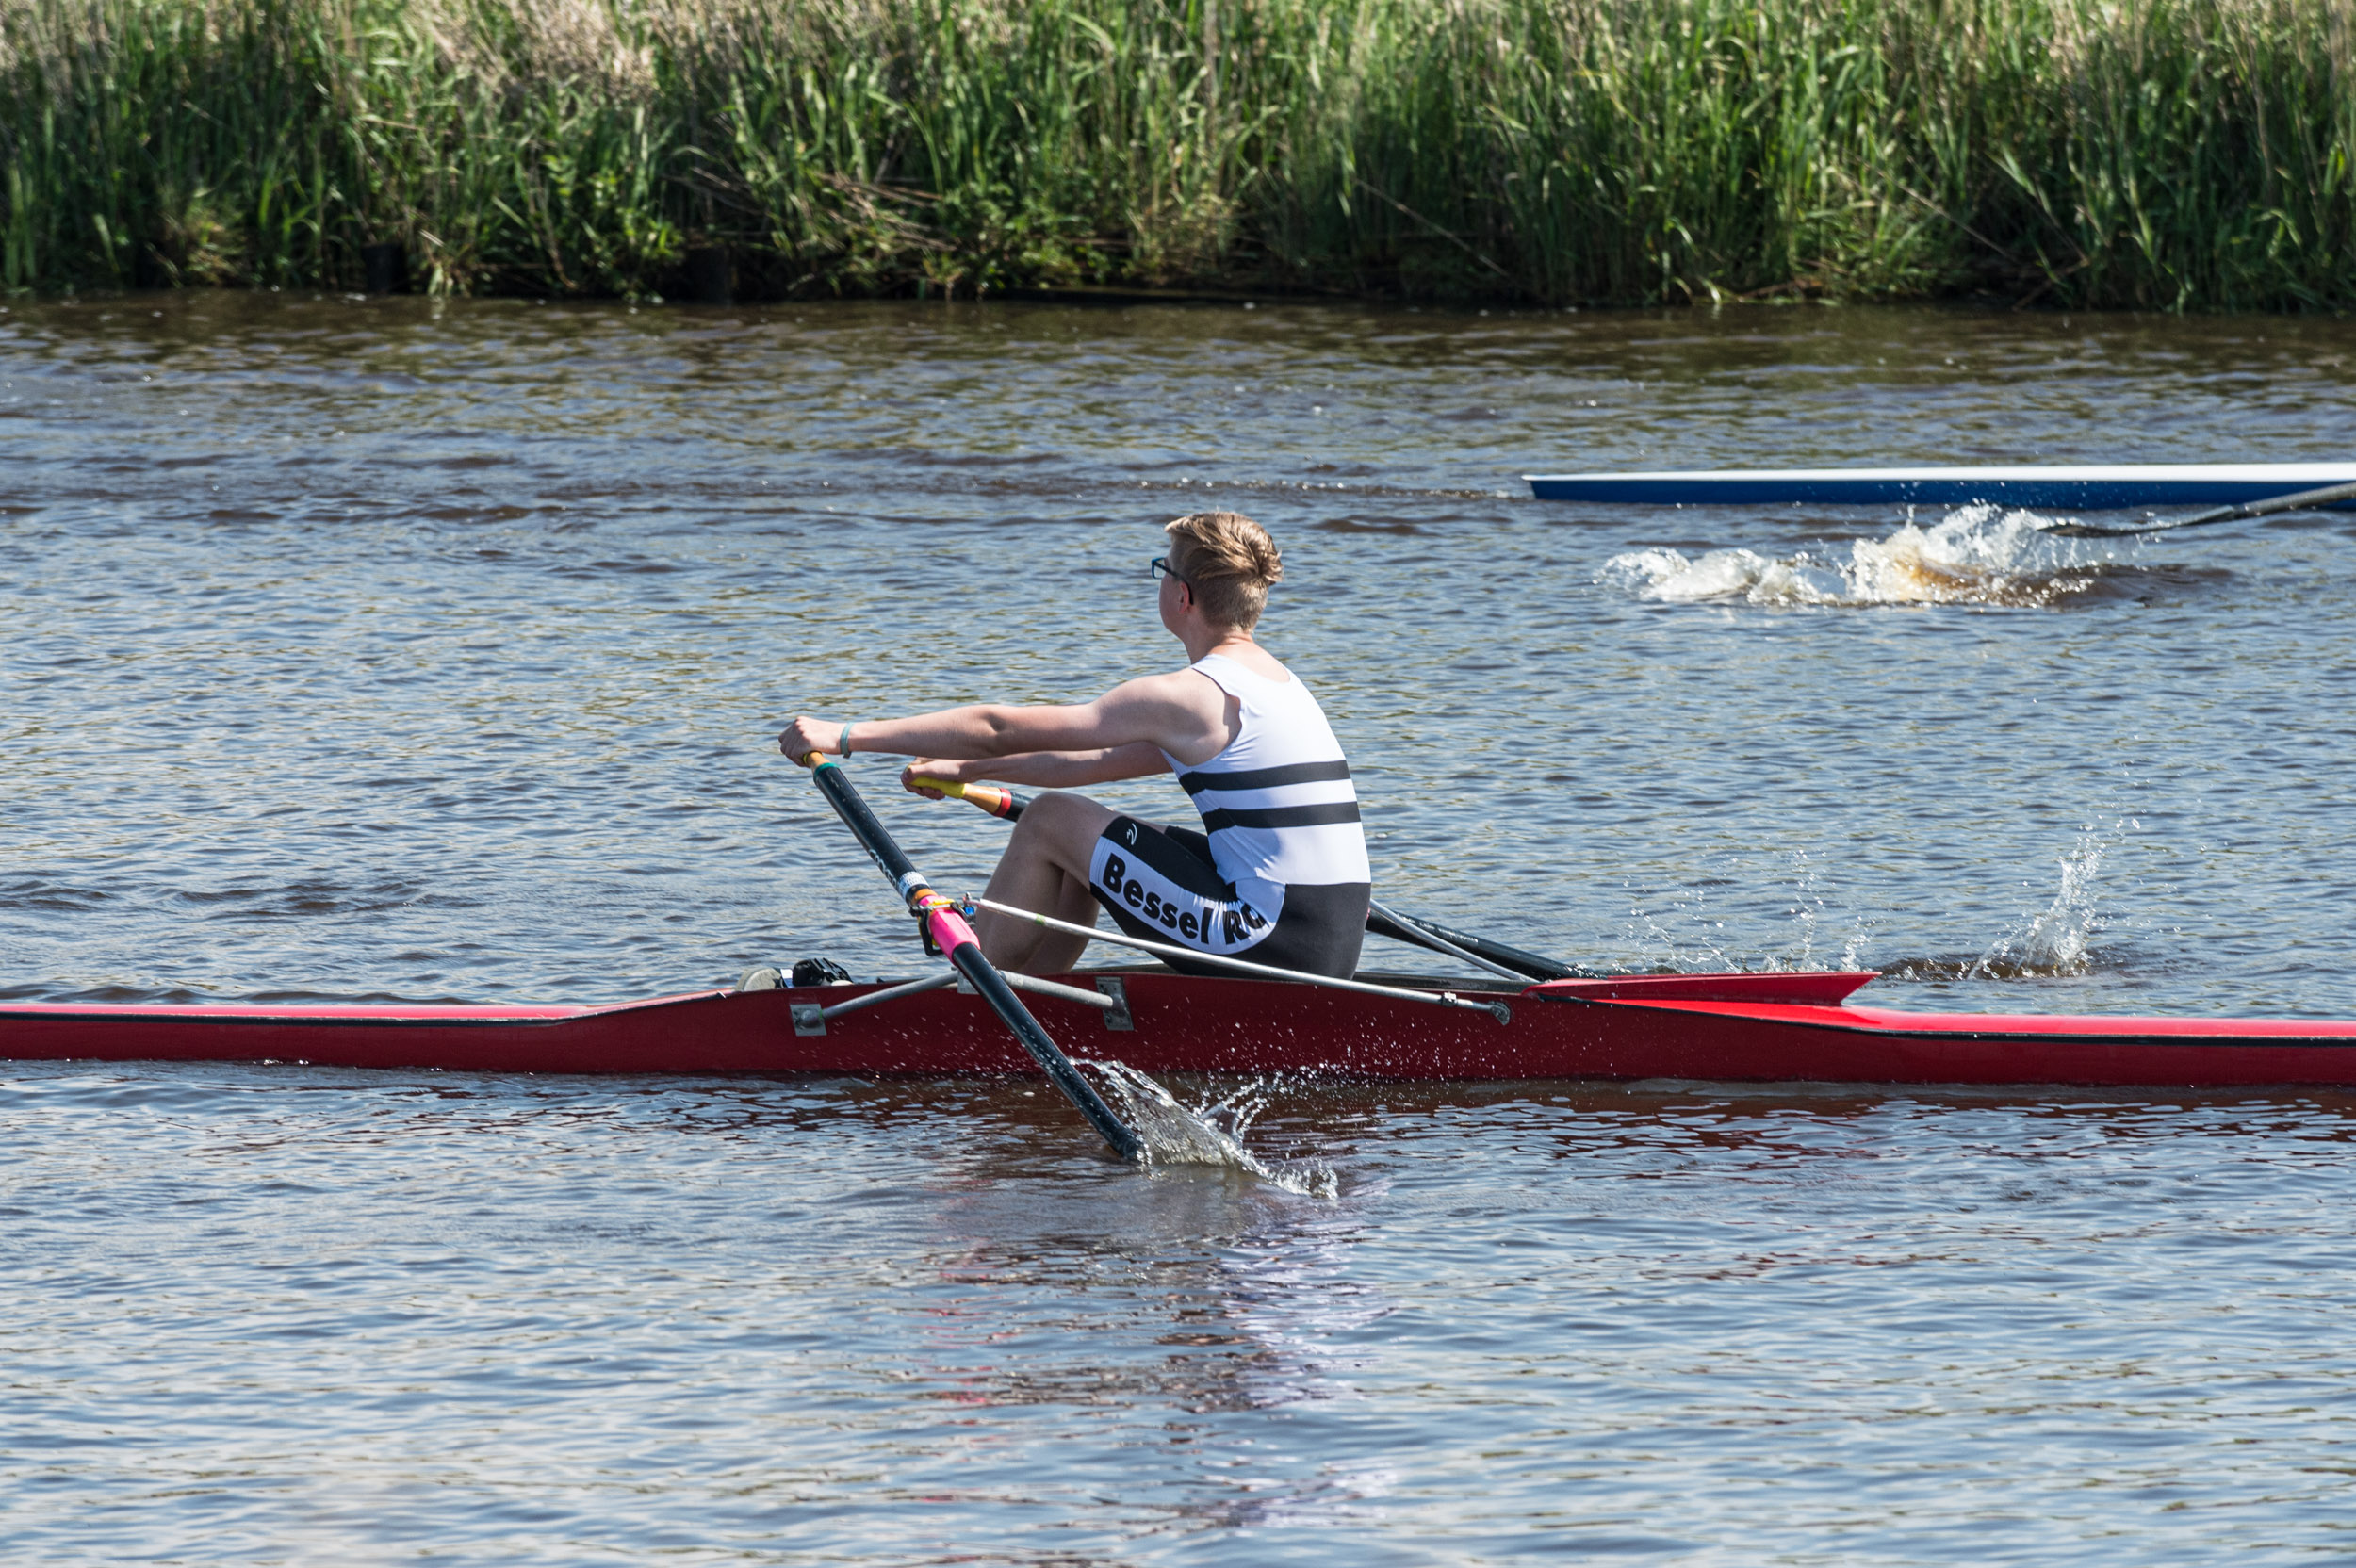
(1266, 779)
(1282, 816)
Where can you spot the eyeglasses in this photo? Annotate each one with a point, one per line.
(1162, 568)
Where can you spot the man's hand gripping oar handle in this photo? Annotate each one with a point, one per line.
(949, 933)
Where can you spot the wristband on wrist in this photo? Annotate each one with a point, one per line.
(842, 743)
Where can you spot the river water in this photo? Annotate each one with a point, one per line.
(400, 648)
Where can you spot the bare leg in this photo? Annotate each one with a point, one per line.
(1045, 869)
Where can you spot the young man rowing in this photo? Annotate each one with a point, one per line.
(1279, 872)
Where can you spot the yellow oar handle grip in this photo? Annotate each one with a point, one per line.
(989, 797)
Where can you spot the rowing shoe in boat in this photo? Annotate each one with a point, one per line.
(1769, 1026)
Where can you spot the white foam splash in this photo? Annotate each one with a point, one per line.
(1211, 1134)
(2061, 940)
(1976, 555)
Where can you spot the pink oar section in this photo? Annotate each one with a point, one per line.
(948, 928)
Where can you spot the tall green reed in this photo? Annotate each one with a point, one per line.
(2171, 154)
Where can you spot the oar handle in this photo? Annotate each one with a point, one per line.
(989, 797)
(949, 932)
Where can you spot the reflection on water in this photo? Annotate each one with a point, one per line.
(283, 1314)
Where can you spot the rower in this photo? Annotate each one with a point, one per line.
(1278, 872)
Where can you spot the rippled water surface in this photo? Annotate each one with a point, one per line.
(390, 649)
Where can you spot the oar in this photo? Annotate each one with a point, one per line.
(1496, 957)
(955, 939)
(2304, 498)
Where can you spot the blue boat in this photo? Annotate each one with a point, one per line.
(2092, 488)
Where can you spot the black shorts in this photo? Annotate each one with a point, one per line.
(1160, 883)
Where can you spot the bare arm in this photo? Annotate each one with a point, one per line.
(983, 730)
(1048, 770)
(1184, 715)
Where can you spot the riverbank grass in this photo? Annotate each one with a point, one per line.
(2153, 154)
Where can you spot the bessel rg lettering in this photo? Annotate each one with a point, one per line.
(1233, 926)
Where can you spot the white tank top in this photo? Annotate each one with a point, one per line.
(1277, 804)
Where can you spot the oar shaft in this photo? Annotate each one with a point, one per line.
(864, 824)
(1496, 957)
(2330, 494)
(992, 988)
(2296, 501)
(956, 938)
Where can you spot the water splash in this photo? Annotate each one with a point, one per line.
(1682, 933)
(2061, 940)
(1211, 1134)
(1977, 555)
(1807, 911)
(1683, 930)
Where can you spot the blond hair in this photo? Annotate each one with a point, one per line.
(1229, 560)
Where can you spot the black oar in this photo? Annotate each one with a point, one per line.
(1428, 935)
(949, 933)
(2328, 495)
(1420, 932)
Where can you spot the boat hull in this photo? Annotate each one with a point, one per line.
(2088, 488)
(1673, 1027)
